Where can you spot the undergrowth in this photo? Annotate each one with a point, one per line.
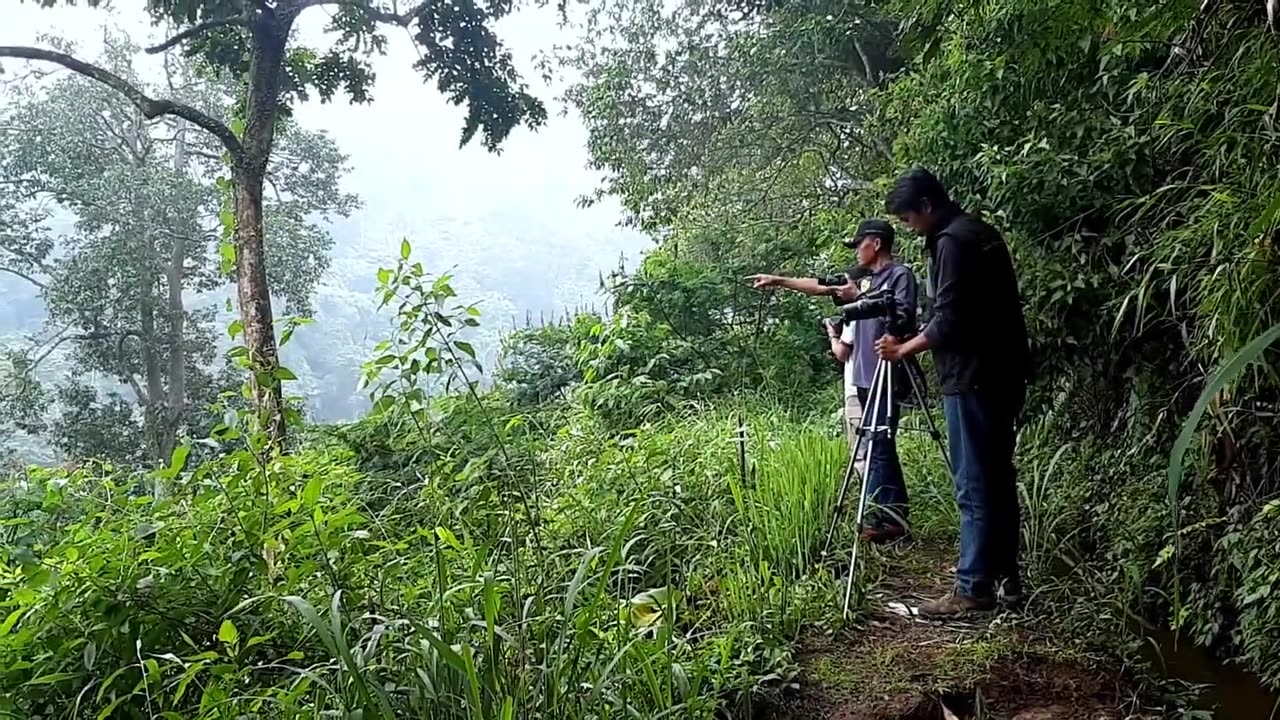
(444, 558)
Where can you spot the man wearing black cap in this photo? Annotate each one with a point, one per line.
(854, 345)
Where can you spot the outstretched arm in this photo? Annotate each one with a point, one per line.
(808, 286)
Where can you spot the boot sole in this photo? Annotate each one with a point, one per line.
(962, 615)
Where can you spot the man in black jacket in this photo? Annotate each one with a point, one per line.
(979, 341)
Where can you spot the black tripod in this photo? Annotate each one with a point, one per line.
(872, 427)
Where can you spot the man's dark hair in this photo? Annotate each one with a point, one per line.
(912, 189)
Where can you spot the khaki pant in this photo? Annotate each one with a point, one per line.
(852, 421)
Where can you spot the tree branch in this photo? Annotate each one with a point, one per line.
(150, 108)
(376, 15)
(128, 375)
(61, 338)
(24, 276)
(204, 155)
(196, 30)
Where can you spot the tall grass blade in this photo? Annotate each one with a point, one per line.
(1225, 374)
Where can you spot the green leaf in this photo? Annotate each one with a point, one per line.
(384, 276)
(467, 348)
(177, 462)
(405, 250)
(383, 404)
(1268, 216)
(334, 641)
(1229, 371)
(111, 707)
(235, 328)
(311, 493)
(228, 633)
(227, 251)
(283, 373)
(50, 679)
(10, 621)
(447, 653)
(448, 538)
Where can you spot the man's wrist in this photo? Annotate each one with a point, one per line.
(915, 346)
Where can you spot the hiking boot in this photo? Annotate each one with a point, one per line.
(956, 604)
(881, 534)
(1011, 593)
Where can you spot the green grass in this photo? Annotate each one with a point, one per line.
(661, 582)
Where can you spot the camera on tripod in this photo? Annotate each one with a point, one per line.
(852, 275)
(884, 305)
(880, 304)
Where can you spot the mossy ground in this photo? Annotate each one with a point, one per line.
(891, 667)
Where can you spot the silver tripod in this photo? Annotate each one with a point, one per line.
(874, 427)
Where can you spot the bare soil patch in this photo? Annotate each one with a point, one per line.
(896, 666)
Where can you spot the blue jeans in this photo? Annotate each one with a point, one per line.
(886, 488)
(981, 436)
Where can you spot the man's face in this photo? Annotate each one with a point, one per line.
(867, 250)
(920, 220)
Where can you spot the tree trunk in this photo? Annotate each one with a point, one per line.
(153, 404)
(255, 304)
(177, 317)
(270, 34)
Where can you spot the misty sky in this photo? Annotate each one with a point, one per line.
(505, 226)
(406, 163)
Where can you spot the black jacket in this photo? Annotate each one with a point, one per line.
(976, 329)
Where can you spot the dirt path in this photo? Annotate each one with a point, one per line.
(895, 666)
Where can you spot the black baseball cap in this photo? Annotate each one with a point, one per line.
(872, 228)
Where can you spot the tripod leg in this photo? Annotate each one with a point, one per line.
(850, 469)
(928, 416)
(874, 397)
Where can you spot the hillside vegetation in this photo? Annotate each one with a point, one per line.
(630, 522)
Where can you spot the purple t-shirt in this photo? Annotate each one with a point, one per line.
(862, 335)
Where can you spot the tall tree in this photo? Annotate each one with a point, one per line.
(253, 39)
(146, 237)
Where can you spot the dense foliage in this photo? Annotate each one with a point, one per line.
(448, 558)
(1128, 152)
(629, 523)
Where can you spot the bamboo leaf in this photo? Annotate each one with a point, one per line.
(1229, 371)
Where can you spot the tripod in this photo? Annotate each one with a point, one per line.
(871, 428)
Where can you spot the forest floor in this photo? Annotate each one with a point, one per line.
(896, 666)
